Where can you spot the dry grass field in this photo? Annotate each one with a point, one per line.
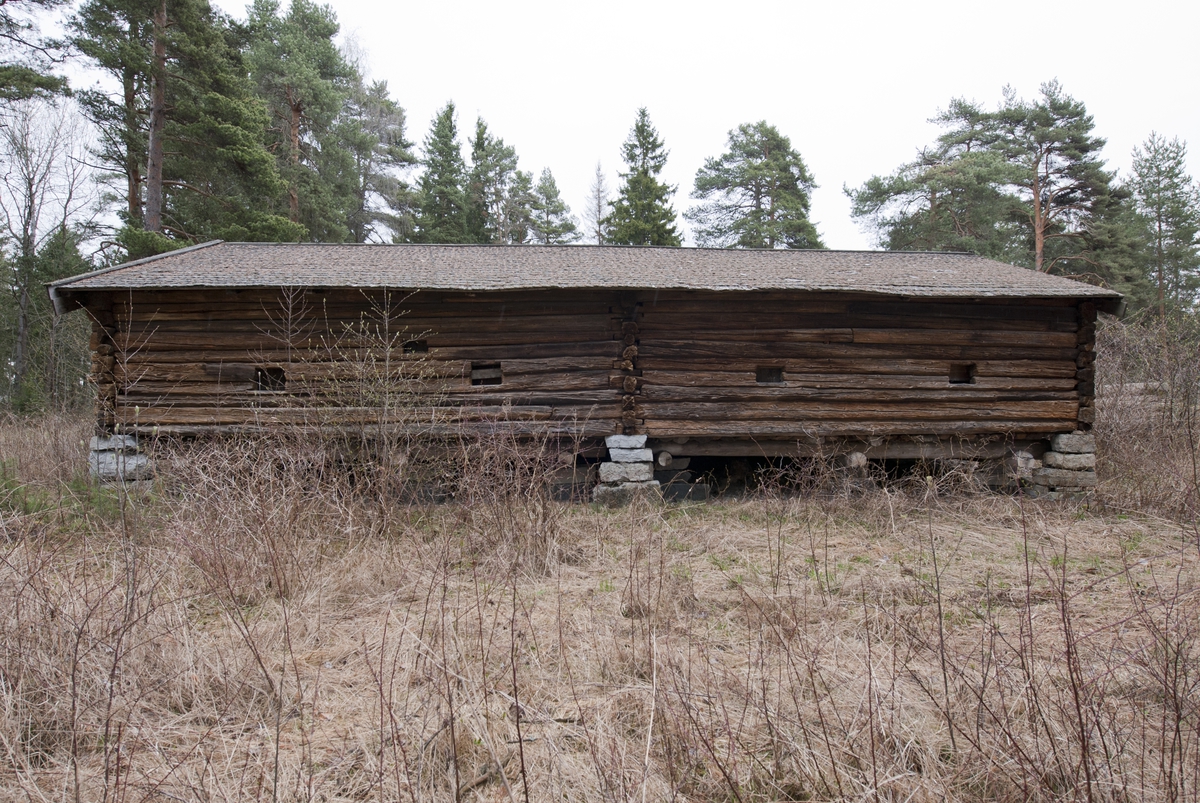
(255, 626)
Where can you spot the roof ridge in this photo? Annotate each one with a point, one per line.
(539, 246)
(123, 265)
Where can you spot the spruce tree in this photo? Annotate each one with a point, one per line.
(442, 216)
(516, 223)
(642, 213)
(1169, 200)
(371, 130)
(757, 194)
(493, 169)
(552, 220)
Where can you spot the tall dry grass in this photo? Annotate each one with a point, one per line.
(272, 622)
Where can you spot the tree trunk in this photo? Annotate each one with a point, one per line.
(1160, 258)
(293, 155)
(1039, 220)
(21, 347)
(158, 119)
(133, 167)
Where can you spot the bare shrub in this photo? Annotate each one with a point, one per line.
(258, 627)
(1148, 415)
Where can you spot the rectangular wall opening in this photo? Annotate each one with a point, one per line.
(962, 373)
(416, 347)
(269, 379)
(486, 373)
(768, 375)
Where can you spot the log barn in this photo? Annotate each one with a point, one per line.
(688, 352)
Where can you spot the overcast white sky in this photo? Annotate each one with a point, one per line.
(852, 84)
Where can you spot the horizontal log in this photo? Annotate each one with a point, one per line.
(179, 415)
(859, 411)
(669, 324)
(1032, 428)
(972, 394)
(158, 340)
(407, 324)
(732, 353)
(277, 354)
(876, 448)
(714, 379)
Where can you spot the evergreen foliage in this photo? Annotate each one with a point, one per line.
(516, 220)
(443, 204)
(493, 170)
(306, 83)
(27, 59)
(642, 213)
(756, 195)
(1169, 200)
(1025, 184)
(218, 180)
(371, 130)
(552, 220)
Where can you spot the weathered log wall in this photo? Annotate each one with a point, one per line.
(667, 364)
(770, 365)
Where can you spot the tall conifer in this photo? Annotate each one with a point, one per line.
(442, 217)
(642, 213)
(1169, 200)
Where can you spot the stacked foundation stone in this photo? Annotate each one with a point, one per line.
(628, 473)
(1069, 468)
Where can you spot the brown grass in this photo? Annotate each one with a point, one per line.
(262, 626)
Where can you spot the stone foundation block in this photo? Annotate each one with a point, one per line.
(118, 466)
(1062, 478)
(623, 493)
(1075, 443)
(630, 455)
(625, 441)
(1071, 462)
(114, 443)
(626, 472)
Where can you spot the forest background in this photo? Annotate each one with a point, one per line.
(132, 127)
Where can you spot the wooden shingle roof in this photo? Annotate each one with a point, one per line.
(484, 268)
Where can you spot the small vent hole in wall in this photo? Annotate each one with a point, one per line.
(416, 347)
(486, 373)
(269, 379)
(962, 373)
(768, 375)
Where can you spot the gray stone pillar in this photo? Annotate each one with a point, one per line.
(629, 472)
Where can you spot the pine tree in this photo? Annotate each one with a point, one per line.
(757, 194)
(1024, 183)
(1056, 169)
(597, 208)
(552, 220)
(442, 216)
(954, 197)
(493, 169)
(212, 175)
(1169, 200)
(642, 213)
(306, 81)
(27, 59)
